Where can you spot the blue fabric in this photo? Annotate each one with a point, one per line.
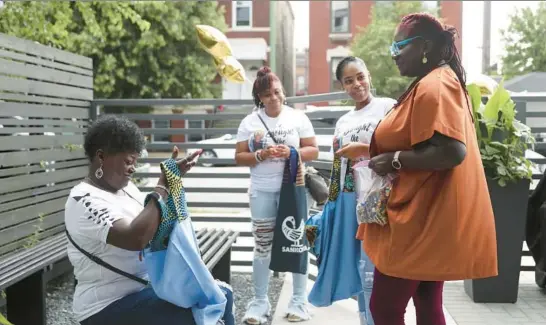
(293, 164)
(179, 275)
(141, 308)
(366, 271)
(339, 252)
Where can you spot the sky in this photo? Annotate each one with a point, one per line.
(472, 36)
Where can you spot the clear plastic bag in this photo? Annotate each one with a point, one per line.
(372, 192)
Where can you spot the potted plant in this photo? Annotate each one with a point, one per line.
(503, 141)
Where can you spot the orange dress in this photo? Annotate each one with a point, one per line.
(441, 225)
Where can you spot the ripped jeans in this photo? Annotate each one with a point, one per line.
(263, 209)
(366, 270)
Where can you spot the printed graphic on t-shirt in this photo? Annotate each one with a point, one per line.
(261, 139)
(257, 141)
(357, 133)
(98, 215)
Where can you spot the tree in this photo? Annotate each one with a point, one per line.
(372, 45)
(139, 49)
(525, 49)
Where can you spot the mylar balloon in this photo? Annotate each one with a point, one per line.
(486, 84)
(213, 41)
(229, 68)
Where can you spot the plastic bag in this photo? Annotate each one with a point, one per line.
(372, 192)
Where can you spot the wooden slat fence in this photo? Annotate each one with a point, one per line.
(45, 97)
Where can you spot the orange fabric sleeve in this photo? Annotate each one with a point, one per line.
(438, 106)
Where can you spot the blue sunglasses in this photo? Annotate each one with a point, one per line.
(396, 47)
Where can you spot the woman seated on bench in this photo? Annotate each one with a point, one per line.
(105, 216)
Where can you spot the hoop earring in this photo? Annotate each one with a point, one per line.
(261, 105)
(425, 60)
(99, 172)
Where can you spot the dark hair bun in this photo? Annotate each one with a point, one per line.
(264, 71)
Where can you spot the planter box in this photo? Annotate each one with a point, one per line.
(510, 209)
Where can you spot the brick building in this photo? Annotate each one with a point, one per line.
(249, 33)
(332, 25)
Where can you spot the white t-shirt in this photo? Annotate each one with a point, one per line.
(359, 125)
(89, 215)
(288, 128)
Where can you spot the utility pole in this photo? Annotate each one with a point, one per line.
(486, 43)
(272, 36)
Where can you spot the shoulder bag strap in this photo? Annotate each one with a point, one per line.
(268, 131)
(106, 265)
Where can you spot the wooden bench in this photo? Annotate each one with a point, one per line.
(216, 246)
(24, 274)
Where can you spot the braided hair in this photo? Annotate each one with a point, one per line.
(443, 36)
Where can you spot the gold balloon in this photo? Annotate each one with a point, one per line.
(213, 41)
(486, 84)
(229, 68)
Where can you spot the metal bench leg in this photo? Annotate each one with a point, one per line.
(222, 270)
(25, 301)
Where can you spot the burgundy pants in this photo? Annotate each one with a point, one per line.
(390, 297)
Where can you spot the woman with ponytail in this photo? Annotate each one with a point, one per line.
(440, 220)
(266, 157)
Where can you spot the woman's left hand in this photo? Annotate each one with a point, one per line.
(354, 150)
(382, 164)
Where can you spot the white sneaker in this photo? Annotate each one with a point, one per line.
(297, 312)
(257, 312)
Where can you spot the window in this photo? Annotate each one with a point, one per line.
(161, 124)
(199, 124)
(431, 6)
(334, 84)
(340, 16)
(242, 14)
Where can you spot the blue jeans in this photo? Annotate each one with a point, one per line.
(145, 308)
(366, 270)
(263, 208)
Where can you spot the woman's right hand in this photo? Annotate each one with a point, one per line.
(184, 164)
(268, 152)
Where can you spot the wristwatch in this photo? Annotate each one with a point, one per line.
(395, 161)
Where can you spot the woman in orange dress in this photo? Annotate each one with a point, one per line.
(441, 224)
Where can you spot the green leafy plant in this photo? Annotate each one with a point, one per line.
(4, 321)
(502, 139)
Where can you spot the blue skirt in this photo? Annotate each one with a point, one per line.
(338, 252)
(179, 276)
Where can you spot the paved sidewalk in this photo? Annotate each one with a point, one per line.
(530, 309)
(341, 312)
(458, 307)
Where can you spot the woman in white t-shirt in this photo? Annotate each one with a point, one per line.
(266, 159)
(105, 215)
(352, 137)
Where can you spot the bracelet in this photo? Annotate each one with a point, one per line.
(258, 156)
(163, 188)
